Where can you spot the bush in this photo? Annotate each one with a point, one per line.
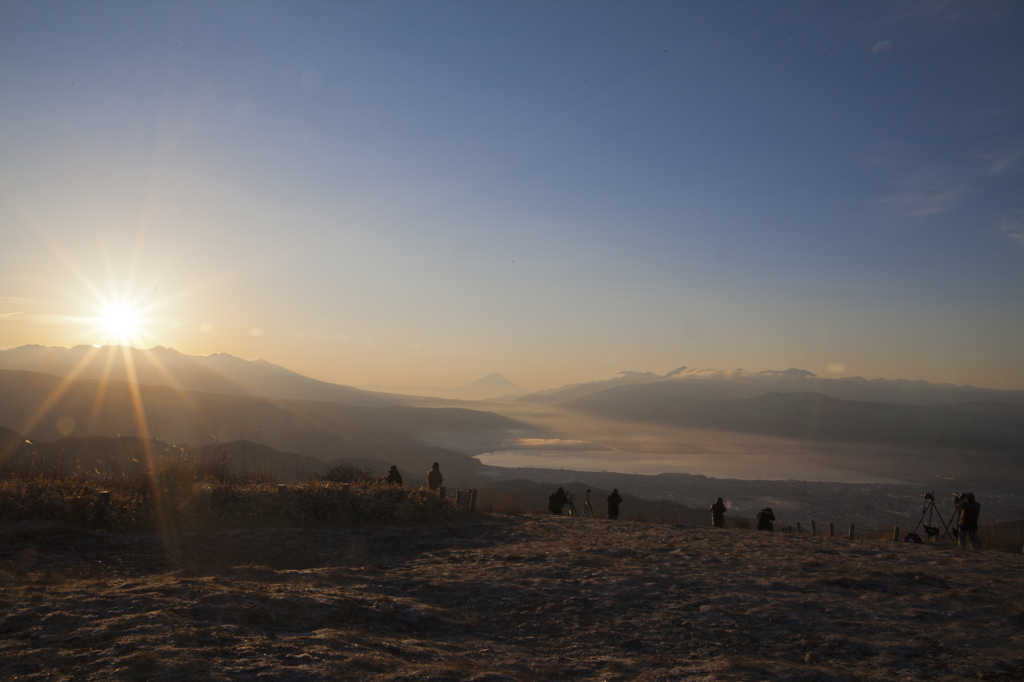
(348, 473)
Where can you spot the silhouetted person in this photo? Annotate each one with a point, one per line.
(969, 512)
(718, 513)
(614, 500)
(394, 478)
(434, 477)
(765, 518)
(557, 500)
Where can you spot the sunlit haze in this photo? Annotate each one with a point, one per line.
(420, 194)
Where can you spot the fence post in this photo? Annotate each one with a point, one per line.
(814, 528)
(346, 488)
(105, 502)
(443, 492)
(472, 500)
(896, 534)
(851, 531)
(204, 498)
(799, 530)
(458, 498)
(831, 529)
(282, 489)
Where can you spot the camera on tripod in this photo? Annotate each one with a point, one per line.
(934, 532)
(959, 498)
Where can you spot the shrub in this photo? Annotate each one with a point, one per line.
(348, 473)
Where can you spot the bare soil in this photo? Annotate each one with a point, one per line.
(503, 597)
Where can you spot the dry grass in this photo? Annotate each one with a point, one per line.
(520, 598)
(192, 495)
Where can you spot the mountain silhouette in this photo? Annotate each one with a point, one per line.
(706, 384)
(986, 426)
(159, 366)
(46, 407)
(491, 386)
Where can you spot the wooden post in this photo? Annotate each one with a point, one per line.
(799, 530)
(851, 531)
(346, 489)
(468, 498)
(443, 492)
(896, 534)
(458, 498)
(814, 528)
(105, 502)
(472, 500)
(204, 498)
(282, 489)
(831, 529)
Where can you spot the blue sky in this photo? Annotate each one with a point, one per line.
(422, 193)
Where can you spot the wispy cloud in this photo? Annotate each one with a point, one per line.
(1014, 230)
(928, 192)
(1005, 159)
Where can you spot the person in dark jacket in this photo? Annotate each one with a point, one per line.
(765, 517)
(394, 478)
(718, 513)
(614, 500)
(434, 477)
(969, 512)
(557, 500)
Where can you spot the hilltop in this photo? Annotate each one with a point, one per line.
(505, 598)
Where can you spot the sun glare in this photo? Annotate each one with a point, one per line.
(120, 321)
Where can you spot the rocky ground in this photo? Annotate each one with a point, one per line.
(503, 597)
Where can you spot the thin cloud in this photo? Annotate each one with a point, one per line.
(926, 193)
(1014, 231)
(881, 46)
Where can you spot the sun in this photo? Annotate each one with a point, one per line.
(120, 321)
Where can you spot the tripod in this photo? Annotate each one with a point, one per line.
(939, 532)
(588, 511)
(570, 506)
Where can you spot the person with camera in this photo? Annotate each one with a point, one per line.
(557, 501)
(969, 510)
(718, 513)
(614, 500)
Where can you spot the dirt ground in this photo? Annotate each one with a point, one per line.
(503, 598)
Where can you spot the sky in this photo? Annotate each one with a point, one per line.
(421, 193)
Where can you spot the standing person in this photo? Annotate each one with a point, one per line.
(394, 478)
(434, 477)
(969, 512)
(557, 500)
(614, 500)
(765, 517)
(718, 513)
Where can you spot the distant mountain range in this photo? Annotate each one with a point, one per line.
(217, 373)
(47, 407)
(490, 387)
(706, 384)
(988, 426)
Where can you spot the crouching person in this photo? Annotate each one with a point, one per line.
(765, 519)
